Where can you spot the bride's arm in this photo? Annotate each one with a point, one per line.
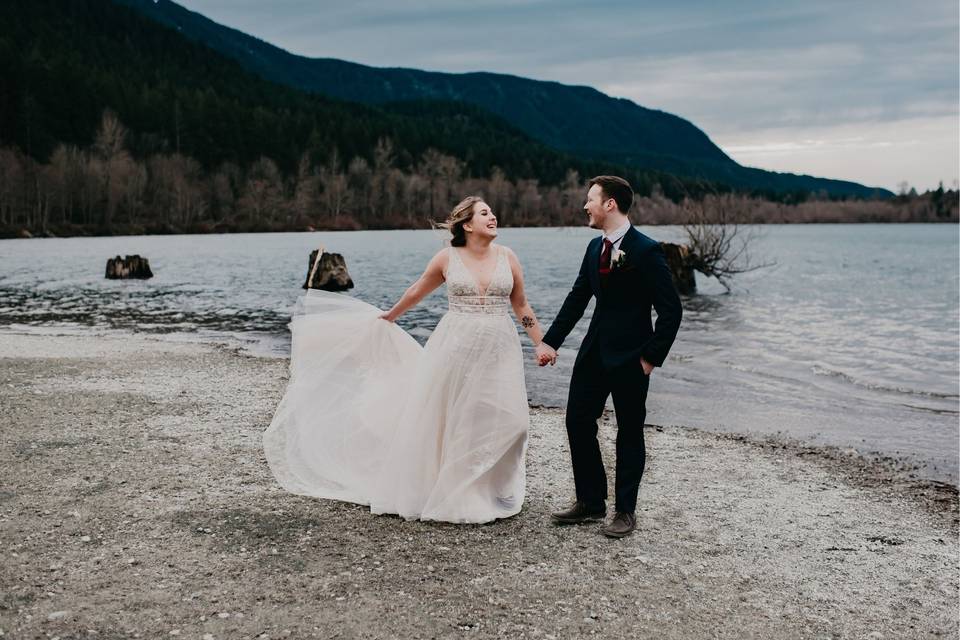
(431, 279)
(518, 299)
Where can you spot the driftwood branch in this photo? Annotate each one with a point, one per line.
(718, 245)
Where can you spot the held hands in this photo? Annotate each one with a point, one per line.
(546, 354)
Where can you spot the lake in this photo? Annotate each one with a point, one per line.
(851, 339)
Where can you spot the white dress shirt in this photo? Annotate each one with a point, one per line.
(616, 237)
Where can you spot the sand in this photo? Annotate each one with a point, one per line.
(136, 502)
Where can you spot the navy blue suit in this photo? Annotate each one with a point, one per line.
(608, 363)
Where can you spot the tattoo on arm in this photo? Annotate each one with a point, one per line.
(527, 322)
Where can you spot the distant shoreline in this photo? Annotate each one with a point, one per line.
(18, 235)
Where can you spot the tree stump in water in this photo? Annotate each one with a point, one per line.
(329, 273)
(678, 260)
(128, 267)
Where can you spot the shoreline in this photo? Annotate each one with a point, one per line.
(138, 503)
(860, 459)
(18, 234)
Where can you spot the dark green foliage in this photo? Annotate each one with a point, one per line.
(575, 119)
(113, 123)
(64, 63)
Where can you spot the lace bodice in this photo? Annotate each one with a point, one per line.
(463, 290)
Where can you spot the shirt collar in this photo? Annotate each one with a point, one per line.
(617, 235)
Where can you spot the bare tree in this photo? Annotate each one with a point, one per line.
(719, 246)
(360, 185)
(116, 165)
(262, 198)
(442, 173)
(179, 191)
(336, 195)
(11, 185)
(305, 191)
(499, 192)
(528, 201)
(225, 185)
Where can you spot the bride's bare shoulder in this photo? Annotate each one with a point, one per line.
(438, 263)
(511, 255)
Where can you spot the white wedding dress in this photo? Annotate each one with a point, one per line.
(431, 433)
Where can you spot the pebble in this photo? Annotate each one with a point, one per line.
(56, 615)
(84, 538)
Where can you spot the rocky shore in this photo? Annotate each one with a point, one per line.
(136, 502)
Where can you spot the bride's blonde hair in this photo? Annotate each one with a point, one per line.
(461, 214)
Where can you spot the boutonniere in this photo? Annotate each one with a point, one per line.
(618, 258)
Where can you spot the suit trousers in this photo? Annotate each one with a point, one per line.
(590, 386)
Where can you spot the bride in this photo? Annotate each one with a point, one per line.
(431, 433)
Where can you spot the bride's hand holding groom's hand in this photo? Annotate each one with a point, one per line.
(546, 354)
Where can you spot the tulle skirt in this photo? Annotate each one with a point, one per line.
(370, 417)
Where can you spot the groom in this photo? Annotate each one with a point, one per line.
(627, 272)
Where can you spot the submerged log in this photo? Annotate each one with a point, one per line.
(327, 271)
(128, 267)
(680, 264)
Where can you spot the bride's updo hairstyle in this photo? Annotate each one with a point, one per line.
(461, 214)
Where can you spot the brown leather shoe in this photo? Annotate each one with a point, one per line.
(622, 525)
(580, 512)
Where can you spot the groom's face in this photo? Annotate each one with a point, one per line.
(596, 207)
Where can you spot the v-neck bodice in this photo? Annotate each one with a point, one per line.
(464, 292)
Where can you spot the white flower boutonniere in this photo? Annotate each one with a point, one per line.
(617, 259)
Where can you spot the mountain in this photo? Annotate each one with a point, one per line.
(575, 119)
(63, 63)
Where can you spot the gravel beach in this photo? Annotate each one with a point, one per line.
(136, 502)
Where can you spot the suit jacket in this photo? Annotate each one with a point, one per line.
(622, 325)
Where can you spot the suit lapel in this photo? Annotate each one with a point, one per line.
(593, 261)
(626, 245)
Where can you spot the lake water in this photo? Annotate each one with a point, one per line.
(851, 339)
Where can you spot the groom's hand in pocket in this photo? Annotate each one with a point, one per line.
(647, 367)
(546, 354)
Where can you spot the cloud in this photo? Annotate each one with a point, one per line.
(733, 69)
(921, 151)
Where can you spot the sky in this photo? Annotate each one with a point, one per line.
(864, 91)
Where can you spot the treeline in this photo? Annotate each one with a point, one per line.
(939, 205)
(104, 189)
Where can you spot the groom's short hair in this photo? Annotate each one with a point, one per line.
(617, 188)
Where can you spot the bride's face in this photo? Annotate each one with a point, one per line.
(483, 224)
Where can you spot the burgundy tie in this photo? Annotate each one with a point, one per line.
(605, 257)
